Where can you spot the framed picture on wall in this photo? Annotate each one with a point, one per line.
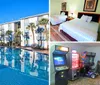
(64, 6)
(90, 5)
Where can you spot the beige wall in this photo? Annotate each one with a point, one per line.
(76, 5)
(55, 7)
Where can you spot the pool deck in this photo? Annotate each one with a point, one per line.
(31, 49)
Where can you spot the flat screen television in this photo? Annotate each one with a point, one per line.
(59, 61)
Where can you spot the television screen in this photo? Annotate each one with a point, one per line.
(59, 61)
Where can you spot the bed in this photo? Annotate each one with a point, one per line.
(58, 19)
(78, 30)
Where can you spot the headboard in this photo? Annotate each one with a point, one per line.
(66, 12)
(96, 17)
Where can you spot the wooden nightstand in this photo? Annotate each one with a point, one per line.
(70, 18)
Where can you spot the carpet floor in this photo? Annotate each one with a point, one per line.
(86, 81)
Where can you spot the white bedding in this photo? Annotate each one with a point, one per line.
(80, 30)
(57, 19)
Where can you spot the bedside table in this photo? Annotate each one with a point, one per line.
(70, 18)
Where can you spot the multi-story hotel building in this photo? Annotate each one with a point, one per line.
(22, 24)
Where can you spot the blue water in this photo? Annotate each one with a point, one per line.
(30, 63)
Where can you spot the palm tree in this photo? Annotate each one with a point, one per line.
(17, 39)
(9, 34)
(2, 35)
(2, 39)
(32, 27)
(40, 31)
(44, 22)
(18, 32)
(26, 36)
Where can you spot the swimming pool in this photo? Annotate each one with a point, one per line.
(30, 63)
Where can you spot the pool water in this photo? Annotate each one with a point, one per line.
(27, 62)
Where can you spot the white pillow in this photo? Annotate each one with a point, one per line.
(62, 17)
(84, 18)
(89, 19)
(63, 13)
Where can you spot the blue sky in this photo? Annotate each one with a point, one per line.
(11, 10)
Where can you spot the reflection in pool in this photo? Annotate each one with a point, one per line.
(28, 62)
